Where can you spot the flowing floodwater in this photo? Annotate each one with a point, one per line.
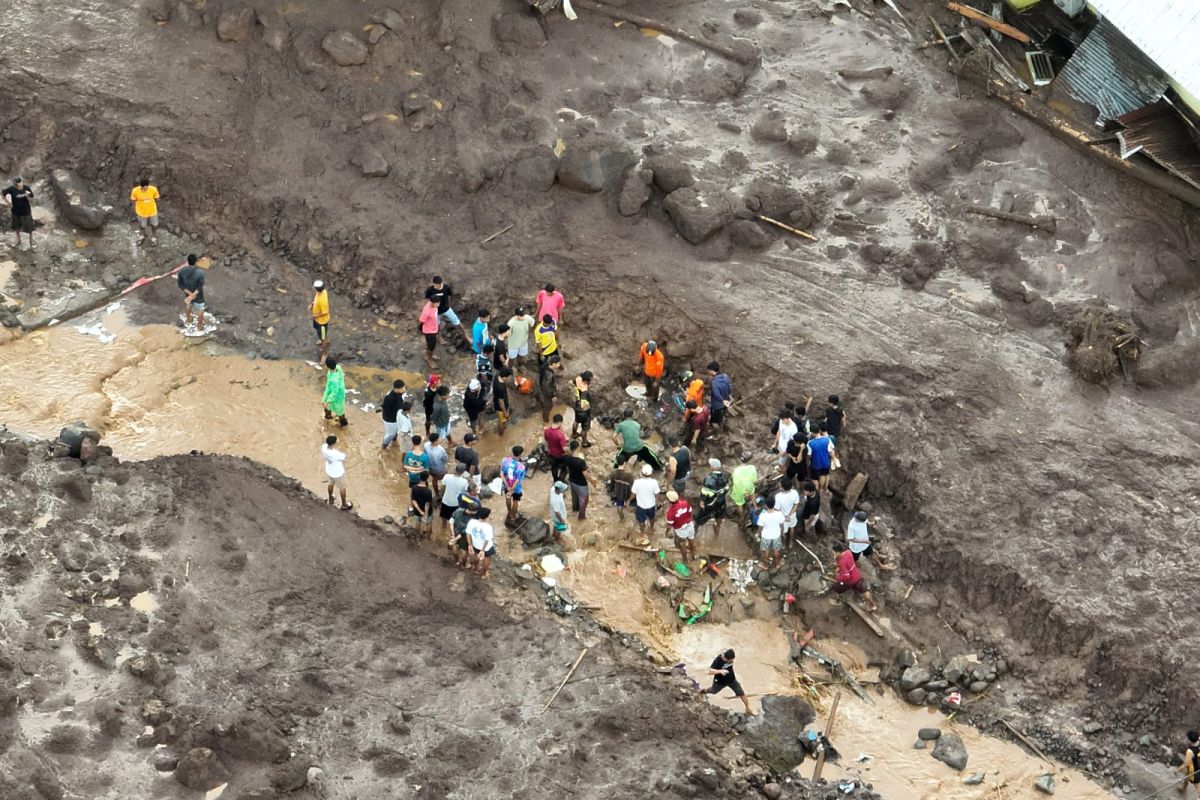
(152, 392)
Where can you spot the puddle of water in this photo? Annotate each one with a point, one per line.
(144, 602)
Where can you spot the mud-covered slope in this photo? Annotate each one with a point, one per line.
(283, 635)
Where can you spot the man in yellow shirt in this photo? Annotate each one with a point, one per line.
(319, 308)
(545, 338)
(145, 204)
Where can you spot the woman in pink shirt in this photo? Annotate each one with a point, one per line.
(429, 327)
(550, 301)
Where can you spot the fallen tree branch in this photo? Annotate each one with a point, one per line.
(990, 22)
(750, 59)
(570, 672)
(1047, 224)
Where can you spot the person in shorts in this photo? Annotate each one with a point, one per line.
(440, 293)
(430, 325)
(620, 483)
(558, 510)
(850, 579)
(681, 525)
(770, 524)
(19, 197)
(520, 329)
(145, 199)
(460, 544)
(452, 487)
(481, 544)
(420, 505)
(724, 678)
(191, 282)
(500, 402)
(512, 478)
(787, 502)
(820, 457)
(645, 491)
(335, 470)
(441, 413)
(858, 541)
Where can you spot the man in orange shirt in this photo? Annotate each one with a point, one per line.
(651, 359)
(145, 203)
(695, 390)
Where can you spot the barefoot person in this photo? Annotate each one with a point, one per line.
(191, 283)
(430, 324)
(145, 199)
(19, 197)
(724, 678)
(335, 470)
(770, 526)
(858, 540)
(482, 544)
(520, 329)
(645, 492)
(334, 399)
(319, 309)
(512, 473)
(680, 525)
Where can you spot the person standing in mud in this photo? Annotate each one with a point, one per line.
(390, 408)
(724, 678)
(558, 510)
(441, 414)
(581, 403)
(19, 199)
(547, 385)
(835, 418)
(145, 199)
(858, 541)
(512, 476)
(695, 423)
(556, 447)
(500, 347)
(453, 486)
(520, 329)
(579, 479)
(334, 399)
(319, 309)
(550, 303)
(480, 333)
(191, 282)
(787, 501)
(820, 457)
(651, 360)
(720, 388)
(482, 541)
(627, 435)
(427, 398)
(415, 461)
(770, 525)
(781, 435)
(810, 509)
(848, 578)
(681, 525)
(440, 293)
(679, 464)
(466, 454)
(741, 489)
(438, 460)
(645, 492)
(474, 402)
(500, 402)
(545, 339)
(420, 505)
(430, 324)
(335, 470)
(713, 492)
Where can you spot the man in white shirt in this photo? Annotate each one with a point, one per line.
(558, 510)
(645, 491)
(858, 541)
(786, 502)
(335, 470)
(452, 487)
(770, 523)
(785, 428)
(481, 544)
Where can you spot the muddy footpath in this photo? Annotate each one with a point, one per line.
(181, 616)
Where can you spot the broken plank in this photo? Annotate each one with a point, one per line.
(828, 730)
(748, 57)
(983, 19)
(1027, 741)
(865, 617)
(835, 667)
(1047, 224)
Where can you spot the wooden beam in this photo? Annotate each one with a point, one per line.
(865, 617)
(990, 22)
(828, 730)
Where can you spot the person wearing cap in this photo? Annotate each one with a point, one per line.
(848, 578)
(465, 454)
(145, 199)
(713, 492)
(334, 399)
(720, 388)
(430, 325)
(651, 360)
(319, 308)
(512, 475)
(645, 492)
(558, 510)
(19, 198)
(581, 403)
(579, 478)
(627, 435)
(520, 328)
(681, 524)
(469, 505)
(858, 541)
(742, 482)
(453, 486)
(191, 282)
(441, 413)
(442, 296)
(545, 338)
(474, 401)
(547, 384)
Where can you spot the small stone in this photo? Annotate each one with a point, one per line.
(978, 687)
(929, 734)
(906, 659)
(1092, 727)
(974, 779)
(916, 696)
(371, 162)
(376, 33)
(772, 791)
(920, 744)
(346, 49)
(1045, 784)
(770, 127)
(390, 18)
(913, 677)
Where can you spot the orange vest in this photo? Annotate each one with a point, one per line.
(654, 362)
(695, 391)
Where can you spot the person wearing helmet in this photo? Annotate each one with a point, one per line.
(319, 308)
(651, 360)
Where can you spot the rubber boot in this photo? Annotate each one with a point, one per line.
(342, 421)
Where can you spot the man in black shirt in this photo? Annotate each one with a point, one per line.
(547, 384)
(390, 406)
(440, 292)
(421, 505)
(191, 283)
(579, 479)
(500, 398)
(835, 415)
(810, 508)
(723, 678)
(465, 454)
(17, 197)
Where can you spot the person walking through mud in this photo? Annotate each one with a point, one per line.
(145, 199)
(558, 511)
(720, 389)
(19, 199)
(427, 399)
(466, 454)
(335, 470)
(430, 324)
(440, 293)
(547, 385)
(474, 402)
(520, 329)
(627, 435)
(482, 541)
(191, 282)
(512, 475)
(724, 678)
(651, 361)
(713, 492)
(858, 541)
(579, 479)
(390, 408)
(438, 460)
(645, 492)
(679, 464)
(415, 461)
(420, 506)
(681, 525)
(770, 525)
(319, 310)
(453, 486)
(334, 399)
(741, 489)
(581, 404)
(556, 447)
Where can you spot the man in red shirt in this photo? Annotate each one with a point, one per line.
(681, 526)
(556, 448)
(695, 423)
(848, 579)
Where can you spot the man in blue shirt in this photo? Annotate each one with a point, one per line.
(480, 335)
(512, 472)
(721, 389)
(820, 457)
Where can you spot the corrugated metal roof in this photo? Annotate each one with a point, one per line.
(1159, 133)
(1168, 31)
(1113, 75)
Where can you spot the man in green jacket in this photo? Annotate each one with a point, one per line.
(334, 399)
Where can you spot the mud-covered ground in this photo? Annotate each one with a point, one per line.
(1036, 516)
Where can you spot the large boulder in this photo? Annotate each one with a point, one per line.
(235, 24)
(774, 735)
(951, 751)
(635, 192)
(346, 49)
(697, 214)
(534, 531)
(670, 173)
(77, 201)
(201, 769)
(590, 168)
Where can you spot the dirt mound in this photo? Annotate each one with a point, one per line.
(1101, 342)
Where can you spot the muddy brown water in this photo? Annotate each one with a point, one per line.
(152, 392)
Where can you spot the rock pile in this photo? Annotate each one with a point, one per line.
(930, 686)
